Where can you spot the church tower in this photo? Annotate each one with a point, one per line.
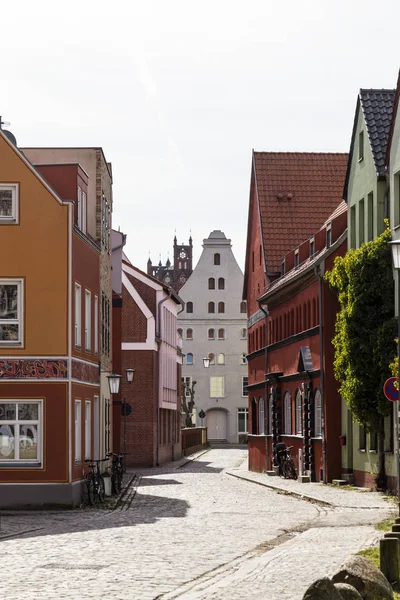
(177, 274)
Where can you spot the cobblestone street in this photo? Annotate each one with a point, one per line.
(199, 531)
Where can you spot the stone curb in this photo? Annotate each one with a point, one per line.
(192, 458)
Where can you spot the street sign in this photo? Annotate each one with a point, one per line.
(202, 414)
(390, 389)
(126, 409)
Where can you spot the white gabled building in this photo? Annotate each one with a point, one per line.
(213, 324)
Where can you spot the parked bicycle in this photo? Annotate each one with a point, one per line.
(95, 489)
(287, 465)
(117, 471)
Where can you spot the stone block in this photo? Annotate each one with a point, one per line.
(365, 577)
(322, 589)
(304, 479)
(390, 558)
(271, 473)
(347, 592)
(339, 482)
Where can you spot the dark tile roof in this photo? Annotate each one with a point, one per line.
(377, 107)
(297, 192)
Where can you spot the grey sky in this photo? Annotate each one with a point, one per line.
(178, 93)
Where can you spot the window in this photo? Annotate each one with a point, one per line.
(283, 267)
(296, 259)
(270, 414)
(361, 145)
(312, 247)
(84, 211)
(261, 417)
(317, 414)
(328, 236)
(189, 358)
(260, 254)
(11, 311)
(20, 431)
(189, 334)
(105, 324)
(211, 307)
(217, 259)
(370, 216)
(352, 226)
(79, 209)
(217, 387)
(220, 359)
(78, 315)
(211, 283)
(9, 203)
(243, 359)
(221, 307)
(373, 441)
(180, 332)
(211, 334)
(88, 320)
(221, 283)
(78, 431)
(287, 407)
(243, 418)
(245, 383)
(362, 438)
(243, 307)
(389, 430)
(243, 333)
(299, 416)
(361, 223)
(211, 356)
(96, 325)
(189, 307)
(88, 429)
(221, 334)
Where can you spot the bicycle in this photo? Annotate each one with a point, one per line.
(288, 468)
(95, 488)
(117, 471)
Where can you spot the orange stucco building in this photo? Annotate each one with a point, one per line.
(49, 332)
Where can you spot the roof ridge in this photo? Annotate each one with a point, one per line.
(377, 90)
(300, 152)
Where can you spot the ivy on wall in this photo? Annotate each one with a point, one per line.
(365, 329)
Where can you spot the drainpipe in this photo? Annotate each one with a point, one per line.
(319, 275)
(266, 371)
(158, 340)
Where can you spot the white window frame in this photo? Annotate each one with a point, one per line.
(96, 324)
(88, 320)
(208, 334)
(217, 384)
(261, 416)
(14, 218)
(245, 393)
(20, 311)
(189, 329)
(245, 412)
(190, 364)
(220, 358)
(78, 431)
(78, 315)
(79, 208)
(88, 429)
(187, 380)
(299, 415)
(317, 414)
(270, 414)
(243, 333)
(223, 333)
(84, 212)
(287, 407)
(243, 359)
(16, 423)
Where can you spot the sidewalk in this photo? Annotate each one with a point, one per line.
(318, 493)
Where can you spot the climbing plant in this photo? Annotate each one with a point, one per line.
(365, 333)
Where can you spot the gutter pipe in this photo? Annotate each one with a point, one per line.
(319, 275)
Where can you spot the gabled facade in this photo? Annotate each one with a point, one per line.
(213, 325)
(291, 196)
(49, 377)
(366, 193)
(146, 340)
(303, 404)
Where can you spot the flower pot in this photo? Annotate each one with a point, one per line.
(107, 485)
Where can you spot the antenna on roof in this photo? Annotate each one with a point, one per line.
(8, 134)
(6, 123)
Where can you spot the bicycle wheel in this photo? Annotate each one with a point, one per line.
(291, 470)
(100, 488)
(90, 491)
(285, 472)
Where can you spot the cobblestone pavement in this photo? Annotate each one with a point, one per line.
(188, 531)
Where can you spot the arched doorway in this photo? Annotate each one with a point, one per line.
(216, 423)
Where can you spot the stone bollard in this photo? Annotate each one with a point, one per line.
(390, 558)
(396, 528)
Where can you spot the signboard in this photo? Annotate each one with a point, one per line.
(390, 389)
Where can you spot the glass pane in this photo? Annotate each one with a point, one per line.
(7, 442)
(28, 439)
(9, 301)
(28, 412)
(5, 203)
(8, 412)
(241, 423)
(9, 333)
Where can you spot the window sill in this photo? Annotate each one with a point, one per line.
(373, 451)
(20, 465)
(362, 450)
(360, 159)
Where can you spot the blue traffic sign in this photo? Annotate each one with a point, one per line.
(390, 389)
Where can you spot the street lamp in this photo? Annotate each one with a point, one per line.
(114, 382)
(395, 246)
(206, 362)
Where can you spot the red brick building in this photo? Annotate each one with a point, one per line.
(145, 338)
(291, 196)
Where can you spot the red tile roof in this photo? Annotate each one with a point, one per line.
(297, 192)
